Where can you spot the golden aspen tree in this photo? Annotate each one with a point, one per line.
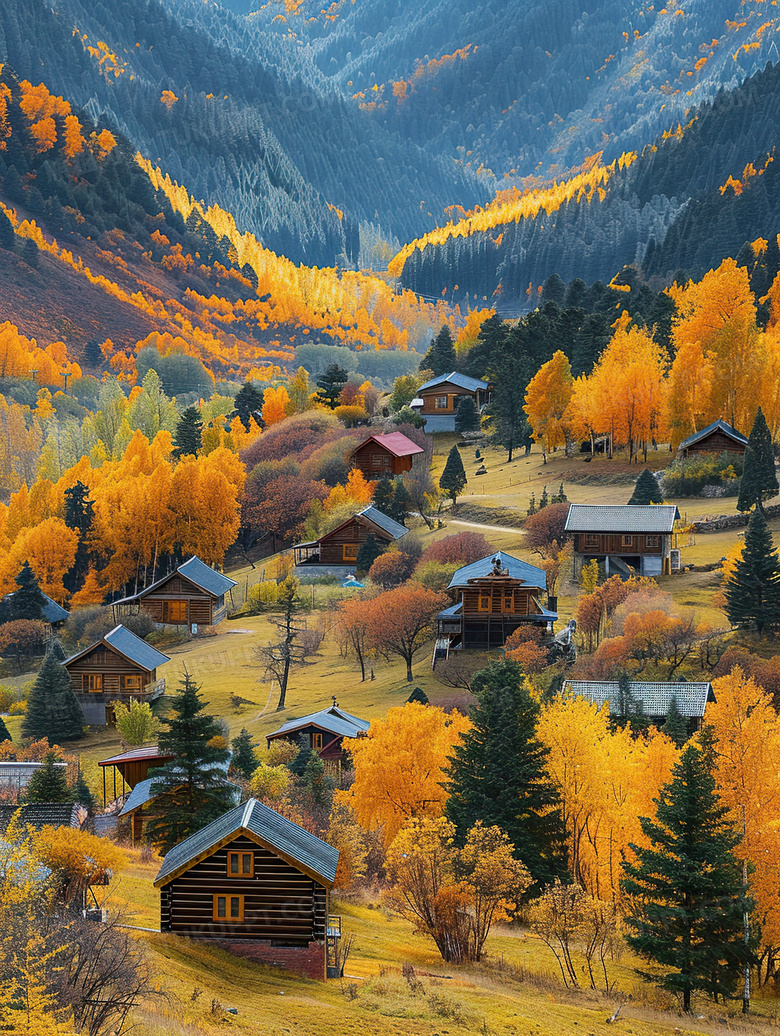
(546, 403)
(275, 405)
(50, 547)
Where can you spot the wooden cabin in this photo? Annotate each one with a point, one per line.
(254, 881)
(193, 595)
(118, 667)
(716, 438)
(493, 597)
(336, 552)
(381, 455)
(323, 731)
(437, 400)
(143, 802)
(132, 767)
(53, 616)
(654, 696)
(625, 538)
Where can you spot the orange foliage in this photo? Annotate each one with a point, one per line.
(168, 98)
(275, 404)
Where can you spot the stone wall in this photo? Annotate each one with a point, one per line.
(730, 521)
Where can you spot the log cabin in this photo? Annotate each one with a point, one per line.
(437, 400)
(716, 438)
(118, 667)
(323, 731)
(385, 455)
(625, 538)
(139, 806)
(655, 697)
(254, 881)
(193, 595)
(336, 552)
(53, 615)
(493, 597)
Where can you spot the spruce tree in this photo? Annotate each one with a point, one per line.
(7, 233)
(392, 498)
(189, 430)
(418, 695)
(244, 759)
(79, 515)
(27, 602)
(466, 415)
(53, 710)
(4, 734)
(753, 591)
(368, 553)
(330, 384)
(190, 791)
(441, 357)
(759, 478)
(248, 403)
(48, 784)
(647, 490)
(686, 887)
(497, 774)
(453, 478)
(675, 727)
(80, 792)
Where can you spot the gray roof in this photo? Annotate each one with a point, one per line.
(127, 644)
(334, 720)
(655, 695)
(42, 814)
(461, 380)
(383, 522)
(52, 612)
(266, 824)
(517, 570)
(206, 578)
(716, 426)
(623, 518)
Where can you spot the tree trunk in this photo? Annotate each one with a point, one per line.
(408, 668)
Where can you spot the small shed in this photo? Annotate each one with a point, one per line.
(389, 454)
(623, 537)
(655, 697)
(336, 552)
(118, 667)
(440, 397)
(323, 731)
(132, 766)
(192, 595)
(716, 438)
(254, 881)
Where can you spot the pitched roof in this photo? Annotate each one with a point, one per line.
(716, 426)
(461, 380)
(395, 442)
(383, 522)
(136, 755)
(52, 612)
(625, 518)
(42, 814)
(334, 720)
(270, 828)
(127, 644)
(206, 578)
(517, 570)
(655, 695)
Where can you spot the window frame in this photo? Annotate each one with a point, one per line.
(626, 540)
(591, 539)
(441, 403)
(228, 917)
(240, 873)
(484, 601)
(350, 551)
(316, 741)
(92, 683)
(653, 540)
(137, 684)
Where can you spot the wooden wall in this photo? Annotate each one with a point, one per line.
(202, 608)
(375, 460)
(355, 533)
(112, 667)
(613, 544)
(280, 903)
(504, 600)
(716, 442)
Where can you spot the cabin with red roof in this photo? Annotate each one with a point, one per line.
(390, 455)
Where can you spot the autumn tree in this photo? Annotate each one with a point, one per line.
(464, 547)
(136, 722)
(453, 478)
(354, 623)
(280, 657)
(546, 403)
(400, 621)
(391, 569)
(759, 478)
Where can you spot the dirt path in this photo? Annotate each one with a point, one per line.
(479, 525)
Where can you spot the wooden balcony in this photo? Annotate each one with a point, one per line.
(154, 690)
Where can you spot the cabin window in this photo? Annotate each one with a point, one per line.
(229, 908)
(509, 603)
(175, 611)
(628, 541)
(130, 682)
(316, 741)
(483, 603)
(241, 865)
(92, 682)
(652, 541)
(591, 539)
(350, 551)
(441, 403)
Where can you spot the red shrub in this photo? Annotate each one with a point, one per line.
(463, 547)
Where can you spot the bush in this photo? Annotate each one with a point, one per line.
(463, 547)
(391, 569)
(18, 708)
(103, 622)
(297, 437)
(263, 597)
(6, 699)
(436, 575)
(330, 463)
(136, 722)
(689, 476)
(546, 527)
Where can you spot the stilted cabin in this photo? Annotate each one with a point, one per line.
(493, 597)
(255, 882)
(323, 731)
(132, 767)
(336, 552)
(437, 400)
(716, 438)
(119, 667)
(52, 615)
(625, 538)
(655, 697)
(380, 455)
(193, 595)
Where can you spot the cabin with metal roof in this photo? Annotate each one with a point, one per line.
(716, 438)
(138, 807)
(118, 667)
(493, 597)
(625, 538)
(254, 881)
(440, 397)
(53, 615)
(193, 595)
(655, 697)
(322, 731)
(132, 767)
(336, 552)
(385, 455)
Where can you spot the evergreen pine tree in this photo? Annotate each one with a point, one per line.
(4, 735)
(305, 752)
(79, 514)
(441, 357)
(687, 889)
(48, 784)
(190, 791)
(418, 695)
(330, 384)
(244, 760)
(80, 792)
(453, 478)
(675, 727)
(248, 403)
(753, 591)
(392, 498)
(27, 602)
(497, 774)
(7, 235)
(53, 710)
(647, 490)
(628, 709)
(466, 416)
(368, 553)
(189, 430)
(759, 479)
